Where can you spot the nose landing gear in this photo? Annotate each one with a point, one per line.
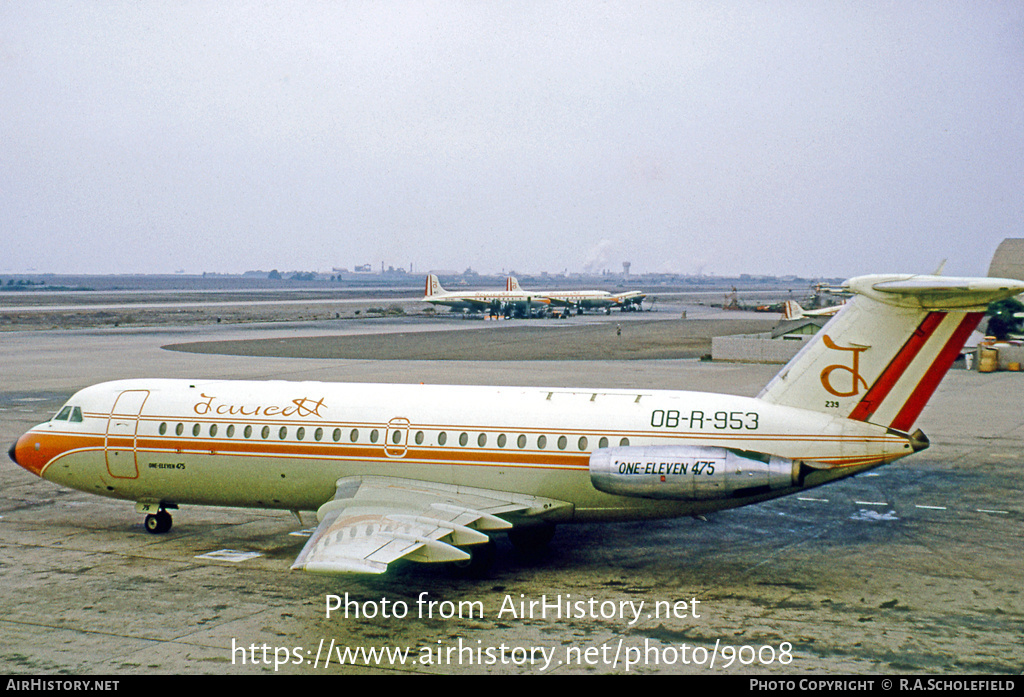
(158, 523)
(159, 520)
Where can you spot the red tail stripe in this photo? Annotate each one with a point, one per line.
(930, 382)
(897, 366)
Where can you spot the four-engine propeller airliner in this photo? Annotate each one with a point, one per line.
(581, 300)
(426, 472)
(508, 302)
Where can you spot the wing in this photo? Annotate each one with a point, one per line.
(477, 303)
(373, 521)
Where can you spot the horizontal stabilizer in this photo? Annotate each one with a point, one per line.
(935, 292)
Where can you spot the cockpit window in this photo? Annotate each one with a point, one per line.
(71, 414)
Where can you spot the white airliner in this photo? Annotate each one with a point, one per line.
(508, 302)
(581, 300)
(425, 472)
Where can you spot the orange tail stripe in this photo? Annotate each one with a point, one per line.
(897, 366)
(930, 382)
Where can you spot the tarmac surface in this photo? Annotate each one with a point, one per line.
(554, 340)
(913, 568)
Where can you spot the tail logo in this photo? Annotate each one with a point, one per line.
(856, 381)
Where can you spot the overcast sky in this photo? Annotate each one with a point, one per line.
(812, 138)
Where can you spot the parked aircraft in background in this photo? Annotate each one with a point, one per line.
(791, 309)
(580, 300)
(428, 472)
(497, 302)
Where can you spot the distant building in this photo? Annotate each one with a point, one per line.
(803, 326)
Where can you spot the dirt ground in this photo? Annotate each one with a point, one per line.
(150, 311)
(606, 340)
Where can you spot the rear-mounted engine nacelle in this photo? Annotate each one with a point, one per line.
(689, 472)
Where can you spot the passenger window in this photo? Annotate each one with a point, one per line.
(336, 435)
(501, 440)
(562, 442)
(283, 433)
(163, 428)
(373, 435)
(481, 440)
(318, 434)
(179, 429)
(301, 433)
(603, 443)
(213, 430)
(624, 442)
(463, 438)
(442, 438)
(231, 431)
(353, 435)
(419, 437)
(582, 443)
(521, 441)
(195, 429)
(247, 432)
(542, 442)
(396, 437)
(265, 432)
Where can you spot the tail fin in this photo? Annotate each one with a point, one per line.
(883, 355)
(792, 310)
(1008, 260)
(512, 284)
(433, 286)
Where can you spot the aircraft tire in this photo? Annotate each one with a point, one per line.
(159, 523)
(481, 559)
(532, 539)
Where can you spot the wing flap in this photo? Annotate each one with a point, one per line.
(373, 521)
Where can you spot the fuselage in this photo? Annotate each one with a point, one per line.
(285, 444)
(479, 301)
(581, 298)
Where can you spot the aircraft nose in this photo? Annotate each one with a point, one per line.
(28, 452)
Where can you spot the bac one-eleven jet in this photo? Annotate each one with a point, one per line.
(427, 473)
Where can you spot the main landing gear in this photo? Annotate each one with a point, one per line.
(481, 559)
(531, 540)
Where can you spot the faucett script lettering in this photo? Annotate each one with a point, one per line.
(302, 407)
